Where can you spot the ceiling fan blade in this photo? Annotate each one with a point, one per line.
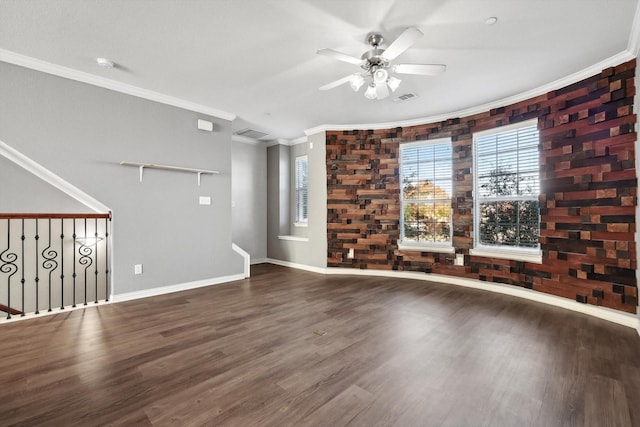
(421, 69)
(402, 43)
(339, 56)
(337, 82)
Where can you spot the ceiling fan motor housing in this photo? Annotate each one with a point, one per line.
(373, 58)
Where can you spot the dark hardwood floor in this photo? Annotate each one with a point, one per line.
(292, 348)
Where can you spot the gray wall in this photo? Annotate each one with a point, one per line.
(21, 191)
(81, 132)
(249, 194)
(278, 191)
(313, 252)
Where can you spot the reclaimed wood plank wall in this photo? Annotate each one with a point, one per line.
(588, 194)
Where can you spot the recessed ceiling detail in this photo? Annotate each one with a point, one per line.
(405, 97)
(251, 133)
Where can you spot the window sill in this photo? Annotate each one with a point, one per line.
(512, 254)
(300, 224)
(294, 238)
(425, 248)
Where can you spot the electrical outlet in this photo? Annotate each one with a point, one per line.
(459, 259)
(137, 269)
(351, 253)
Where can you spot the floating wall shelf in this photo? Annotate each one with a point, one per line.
(141, 166)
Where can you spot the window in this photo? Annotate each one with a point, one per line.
(427, 185)
(302, 183)
(507, 186)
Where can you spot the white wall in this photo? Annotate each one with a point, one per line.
(81, 132)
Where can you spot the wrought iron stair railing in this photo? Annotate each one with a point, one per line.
(53, 261)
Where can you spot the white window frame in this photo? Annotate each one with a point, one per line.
(498, 251)
(301, 206)
(442, 247)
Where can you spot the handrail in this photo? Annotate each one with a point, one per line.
(53, 215)
(50, 260)
(10, 310)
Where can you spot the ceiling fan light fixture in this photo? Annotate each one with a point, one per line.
(378, 67)
(380, 75)
(394, 83)
(356, 82)
(370, 93)
(382, 91)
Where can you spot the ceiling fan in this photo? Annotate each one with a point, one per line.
(377, 66)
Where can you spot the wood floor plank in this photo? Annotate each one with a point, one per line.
(294, 348)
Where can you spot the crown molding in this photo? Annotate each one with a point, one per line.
(300, 140)
(80, 76)
(557, 84)
(287, 142)
(633, 47)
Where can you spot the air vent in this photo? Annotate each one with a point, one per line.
(405, 97)
(250, 133)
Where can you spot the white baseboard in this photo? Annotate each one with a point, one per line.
(245, 256)
(259, 261)
(298, 266)
(175, 288)
(58, 310)
(604, 313)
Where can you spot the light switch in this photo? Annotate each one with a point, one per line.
(205, 200)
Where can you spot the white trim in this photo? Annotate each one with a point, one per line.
(304, 267)
(432, 248)
(247, 259)
(299, 140)
(608, 314)
(176, 288)
(293, 238)
(426, 142)
(46, 175)
(633, 46)
(54, 310)
(255, 261)
(418, 166)
(557, 84)
(515, 253)
(506, 128)
(92, 79)
(512, 254)
(301, 224)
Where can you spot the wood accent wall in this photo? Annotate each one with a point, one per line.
(588, 194)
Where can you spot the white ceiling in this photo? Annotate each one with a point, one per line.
(257, 58)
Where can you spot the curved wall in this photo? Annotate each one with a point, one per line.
(588, 194)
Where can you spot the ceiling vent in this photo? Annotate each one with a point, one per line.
(405, 97)
(251, 133)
